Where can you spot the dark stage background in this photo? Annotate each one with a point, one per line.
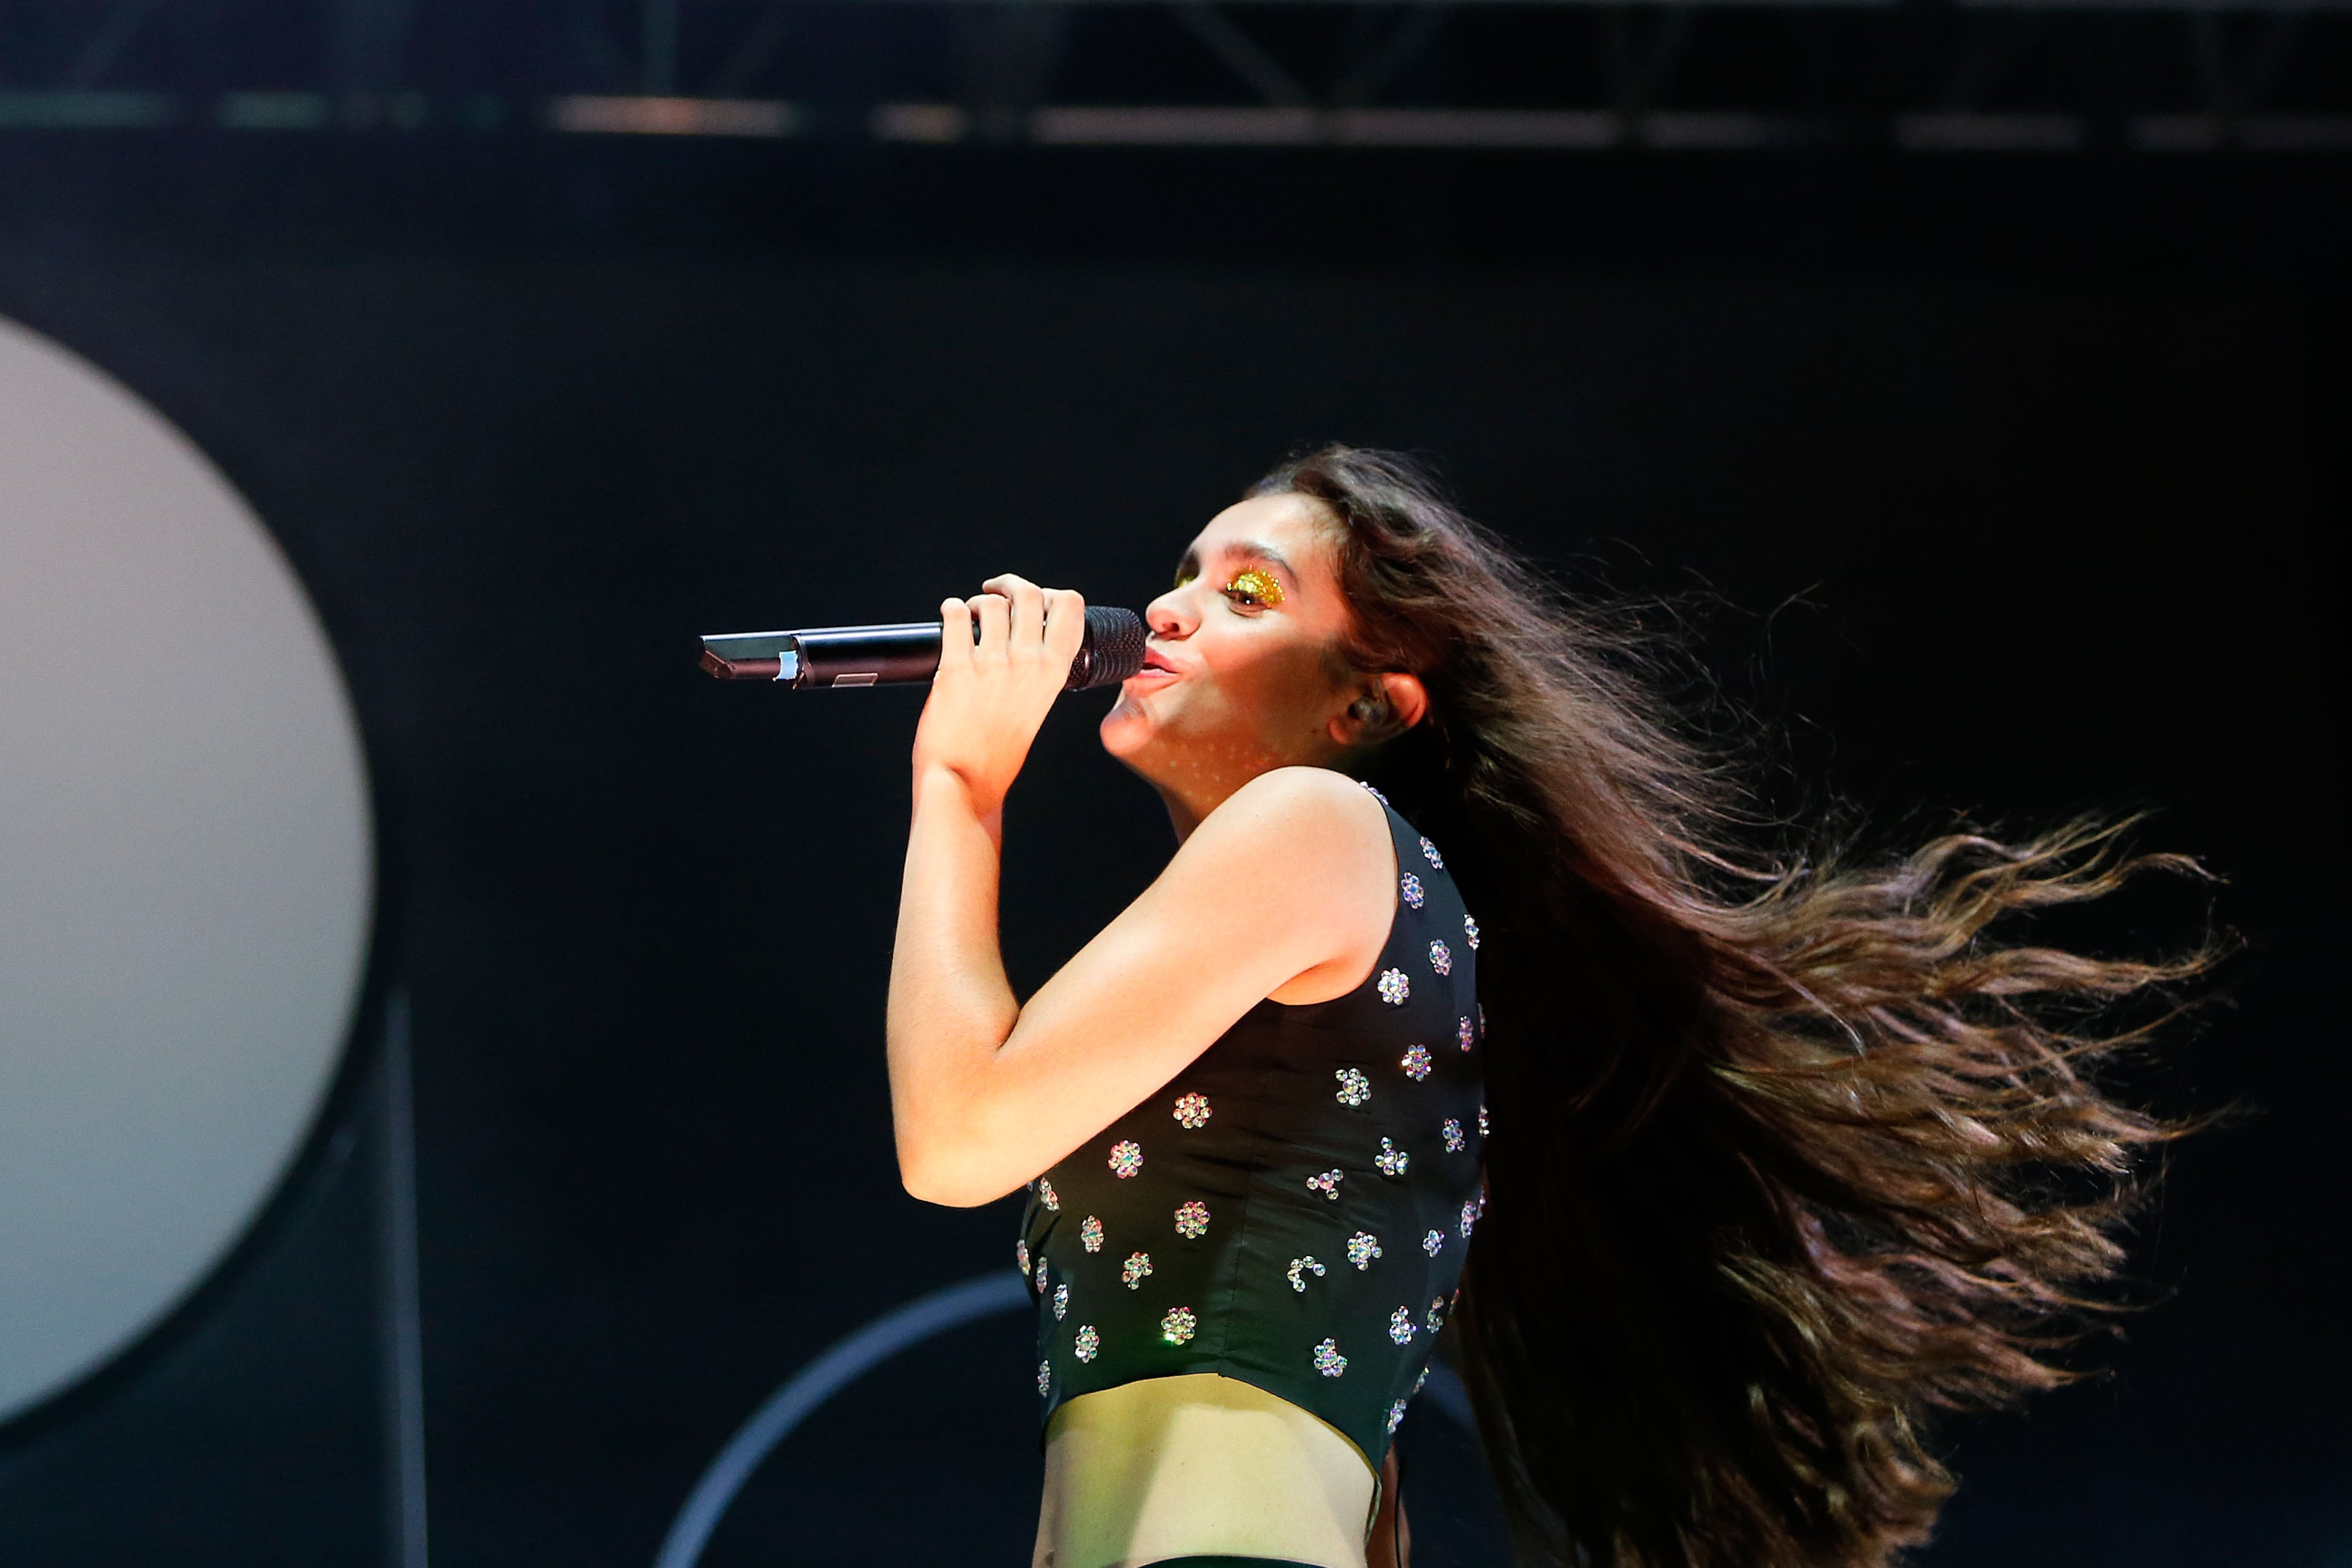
(1994, 528)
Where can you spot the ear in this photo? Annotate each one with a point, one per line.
(1387, 706)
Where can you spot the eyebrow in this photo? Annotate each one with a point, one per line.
(1248, 549)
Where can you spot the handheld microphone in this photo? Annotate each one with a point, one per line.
(904, 655)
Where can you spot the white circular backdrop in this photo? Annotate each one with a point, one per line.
(186, 867)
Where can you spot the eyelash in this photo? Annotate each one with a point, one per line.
(1254, 588)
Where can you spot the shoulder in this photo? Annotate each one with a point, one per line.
(1313, 816)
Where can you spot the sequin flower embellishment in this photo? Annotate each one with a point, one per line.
(1396, 1416)
(1090, 1234)
(1454, 1142)
(1327, 1359)
(1131, 1273)
(1192, 1111)
(1088, 1344)
(1402, 1327)
(1363, 1248)
(1192, 1220)
(1328, 1183)
(1044, 1378)
(1431, 851)
(1394, 988)
(1411, 886)
(1470, 933)
(1048, 1197)
(1178, 1326)
(1020, 1256)
(1392, 1161)
(1482, 1118)
(1298, 1270)
(1469, 1217)
(1441, 958)
(1416, 1062)
(1434, 1243)
(1464, 1034)
(1354, 1087)
(1061, 1302)
(1126, 1158)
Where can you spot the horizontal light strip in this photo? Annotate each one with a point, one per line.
(1200, 125)
(78, 109)
(643, 116)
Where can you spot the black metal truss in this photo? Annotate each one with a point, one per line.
(2050, 76)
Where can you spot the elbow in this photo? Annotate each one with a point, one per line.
(932, 1177)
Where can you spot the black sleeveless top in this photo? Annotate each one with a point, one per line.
(1293, 1209)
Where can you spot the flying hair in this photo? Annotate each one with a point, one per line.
(1789, 1157)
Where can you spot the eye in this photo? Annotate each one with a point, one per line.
(1185, 574)
(1254, 588)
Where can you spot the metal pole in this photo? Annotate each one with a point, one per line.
(401, 1317)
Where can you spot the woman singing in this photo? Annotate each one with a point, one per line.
(1720, 1176)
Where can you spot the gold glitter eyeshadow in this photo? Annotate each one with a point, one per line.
(1259, 585)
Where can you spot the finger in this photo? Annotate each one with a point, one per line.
(1066, 623)
(1027, 625)
(991, 610)
(955, 634)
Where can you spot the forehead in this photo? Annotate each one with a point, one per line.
(1294, 526)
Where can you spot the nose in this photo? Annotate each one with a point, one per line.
(1171, 614)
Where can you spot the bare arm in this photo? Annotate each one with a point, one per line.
(1289, 878)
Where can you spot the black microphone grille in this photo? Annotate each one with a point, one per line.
(1113, 649)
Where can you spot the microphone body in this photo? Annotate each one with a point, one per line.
(903, 654)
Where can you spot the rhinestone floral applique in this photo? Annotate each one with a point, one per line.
(1462, 1034)
(1402, 1328)
(1178, 1326)
(1454, 1142)
(1192, 1220)
(1434, 1243)
(1431, 851)
(1396, 1416)
(1469, 1217)
(1375, 794)
(1044, 1379)
(1131, 1272)
(1042, 1275)
(1481, 1118)
(1298, 1270)
(1437, 1314)
(1394, 988)
(1328, 1183)
(1126, 1158)
(1020, 1256)
(1048, 1197)
(1441, 958)
(1090, 1234)
(1354, 1087)
(1061, 1301)
(1416, 1062)
(1192, 1111)
(1327, 1359)
(1363, 1248)
(1470, 933)
(1411, 886)
(1392, 1160)
(1088, 1342)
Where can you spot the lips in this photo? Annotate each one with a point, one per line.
(1154, 661)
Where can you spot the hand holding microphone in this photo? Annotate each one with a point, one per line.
(993, 691)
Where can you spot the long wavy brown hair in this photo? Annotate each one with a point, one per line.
(1788, 1155)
